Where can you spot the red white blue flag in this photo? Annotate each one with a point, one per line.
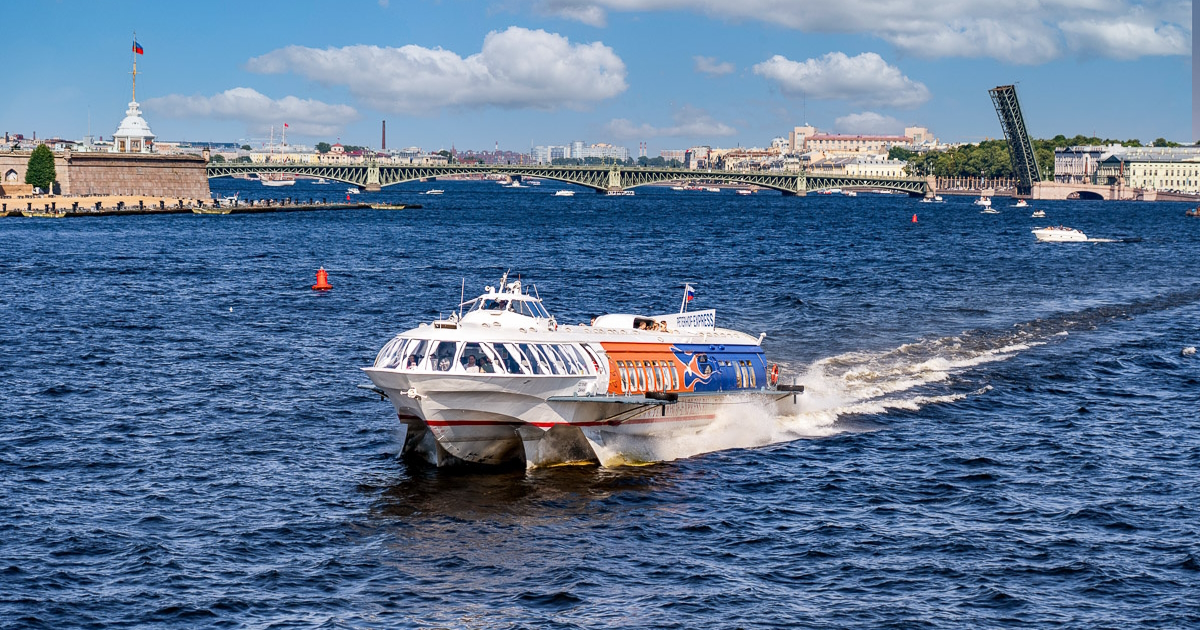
(137, 48)
(689, 293)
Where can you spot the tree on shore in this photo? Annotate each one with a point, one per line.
(323, 147)
(246, 147)
(40, 169)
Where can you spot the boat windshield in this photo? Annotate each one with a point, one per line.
(521, 307)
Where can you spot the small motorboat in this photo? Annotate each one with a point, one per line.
(353, 190)
(1038, 214)
(564, 193)
(984, 201)
(434, 191)
(1059, 234)
(849, 193)
(1021, 203)
(1195, 212)
(619, 193)
(989, 211)
(745, 191)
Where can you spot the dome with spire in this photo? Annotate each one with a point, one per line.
(133, 134)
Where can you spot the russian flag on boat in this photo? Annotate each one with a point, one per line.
(689, 292)
(137, 48)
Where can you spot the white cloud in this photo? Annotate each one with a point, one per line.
(1126, 39)
(1023, 32)
(689, 123)
(516, 68)
(258, 111)
(864, 79)
(712, 67)
(868, 123)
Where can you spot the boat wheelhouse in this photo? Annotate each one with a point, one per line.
(502, 381)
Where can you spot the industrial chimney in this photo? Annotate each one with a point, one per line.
(383, 143)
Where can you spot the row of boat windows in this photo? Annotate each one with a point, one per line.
(521, 307)
(653, 376)
(488, 358)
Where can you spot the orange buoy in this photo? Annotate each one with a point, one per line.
(322, 281)
(914, 218)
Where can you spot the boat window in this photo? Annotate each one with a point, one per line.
(414, 354)
(536, 362)
(511, 357)
(641, 379)
(441, 358)
(472, 358)
(750, 369)
(389, 356)
(652, 376)
(491, 304)
(490, 361)
(557, 362)
(592, 355)
(674, 377)
(549, 364)
(664, 375)
(737, 376)
(624, 376)
(575, 361)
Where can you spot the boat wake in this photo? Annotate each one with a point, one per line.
(843, 391)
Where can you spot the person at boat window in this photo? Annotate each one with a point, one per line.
(486, 366)
(412, 363)
(444, 364)
(471, 366)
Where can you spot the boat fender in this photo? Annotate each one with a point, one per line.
(774, 374)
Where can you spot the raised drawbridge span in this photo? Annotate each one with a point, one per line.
(599, 178)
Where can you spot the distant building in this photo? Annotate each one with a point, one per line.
(798, 136)
(1078, 164)
(845, 144)
(133, 134)
(1175, 169)
(546, 154)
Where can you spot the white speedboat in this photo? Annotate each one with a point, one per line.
(989, 211)
(1021, 203)
(353, 190)
(984, 201)
(745, 191)
(1038, 214)
(564, 193)
(502, 381)
(433, 191)
(1059, 234)
(849, 193)
(619, 193)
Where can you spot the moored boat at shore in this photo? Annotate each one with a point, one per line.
(504, 382)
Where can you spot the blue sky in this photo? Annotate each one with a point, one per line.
(670, 73)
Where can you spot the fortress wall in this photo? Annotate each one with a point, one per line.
(177, 176)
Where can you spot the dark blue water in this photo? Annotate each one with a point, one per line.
(997, 432)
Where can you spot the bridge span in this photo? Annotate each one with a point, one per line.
(599, 178)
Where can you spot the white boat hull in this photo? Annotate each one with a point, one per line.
(500, 419)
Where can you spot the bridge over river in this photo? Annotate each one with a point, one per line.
(599, 178)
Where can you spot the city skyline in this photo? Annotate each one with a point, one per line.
(664, 72)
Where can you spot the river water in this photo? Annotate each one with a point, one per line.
(996, 432)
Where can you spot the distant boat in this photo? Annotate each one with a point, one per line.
(320, 181)
(984, 201)
(713, 189)
(990, 211)
(745, 191)
(677, 188)
(849, 193)
(1038, 214)
(1059, 234)
(1021, 203)
(224, 210)
(533, 182)
(619, 193)
(434, 191)
(564, 193)
(281, 179)
(353, 190)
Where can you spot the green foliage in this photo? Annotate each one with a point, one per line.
(444, 153)
(40, 169)
(656, 162)
(900, 153)
(1163, 142)
(245, 159)
(566, 162)
(217, 159)
(323, 147)
(246, 147)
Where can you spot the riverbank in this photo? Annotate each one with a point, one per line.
(60, 206)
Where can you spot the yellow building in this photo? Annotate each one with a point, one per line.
(1175, 169)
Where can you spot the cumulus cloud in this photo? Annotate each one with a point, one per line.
(258, 111)
(868, 123)
(1031, 32)
(516, 68)
(712, 67)
(1126, 39)
(865, 79)
(689, 123)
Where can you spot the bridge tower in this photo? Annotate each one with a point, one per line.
(1020, 148)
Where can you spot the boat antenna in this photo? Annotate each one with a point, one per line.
(462, 296)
